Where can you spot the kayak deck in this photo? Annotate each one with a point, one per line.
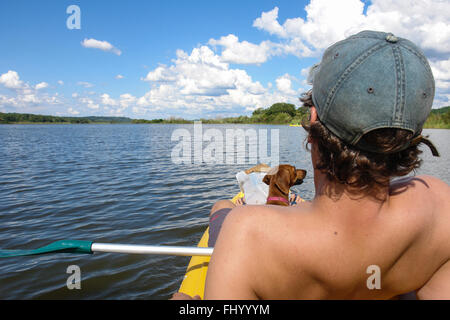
(194, 280)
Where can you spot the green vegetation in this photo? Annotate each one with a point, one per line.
(7, 118)
(279, 113)
(439, 119)
(171, 120)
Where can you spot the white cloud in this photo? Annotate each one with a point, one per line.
(73, 111)
(11, 80)
(443, 100)
(126, 100)
(25, 95)
(107, 100)
(201, 73)
(85, 84)
(284, 85)
(117, 106)
(425, 22)
(243, 52)
(203, 82)
(102, 45)
(269, 22)
(328, 21)
(60, 82)
(139, 111)
(89, 103)
(441, 72)
(41, 85)
(160, 74)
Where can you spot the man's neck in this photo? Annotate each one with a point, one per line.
(335, 197)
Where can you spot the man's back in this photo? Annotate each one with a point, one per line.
(326, 249)
(371, 95)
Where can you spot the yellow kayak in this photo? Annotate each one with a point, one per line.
(194, 280)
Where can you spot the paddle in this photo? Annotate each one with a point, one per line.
(89, 247)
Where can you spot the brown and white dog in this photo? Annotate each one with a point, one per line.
(280, 180)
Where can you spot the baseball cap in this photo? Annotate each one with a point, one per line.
(373, 80)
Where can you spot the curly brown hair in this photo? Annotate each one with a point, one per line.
(363, 173)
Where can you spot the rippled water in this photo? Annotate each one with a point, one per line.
(118, 184)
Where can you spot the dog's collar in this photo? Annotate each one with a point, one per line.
(278, 199)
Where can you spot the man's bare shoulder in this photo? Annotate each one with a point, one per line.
(291, 240)
(433, 194)
(272, 220)
(276, 224)
(437, 186)
(423, 183)
(427, 189)
(242, 250)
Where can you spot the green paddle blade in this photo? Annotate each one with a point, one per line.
(62, 246)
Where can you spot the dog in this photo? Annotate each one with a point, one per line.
(280, 180)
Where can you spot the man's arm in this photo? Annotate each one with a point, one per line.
(253, 256)
(438, 287)
(229, 273)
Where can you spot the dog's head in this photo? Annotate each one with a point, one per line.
(284, 176)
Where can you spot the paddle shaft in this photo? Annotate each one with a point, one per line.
(141, 249)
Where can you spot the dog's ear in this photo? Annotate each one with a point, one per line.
(299, 176)
(292, 174)
(267, 179)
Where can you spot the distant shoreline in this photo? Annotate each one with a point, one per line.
(162, 123)
(59, 123)
(277, 114)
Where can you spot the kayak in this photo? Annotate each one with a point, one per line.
(194, 280)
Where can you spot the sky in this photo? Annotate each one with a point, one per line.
(191, 59)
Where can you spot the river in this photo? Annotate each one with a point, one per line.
(126, 184)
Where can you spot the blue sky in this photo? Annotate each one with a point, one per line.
(152, 59)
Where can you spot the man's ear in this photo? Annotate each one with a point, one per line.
(313, 117)
(267, 179)
(313, 112)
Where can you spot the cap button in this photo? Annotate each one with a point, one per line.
(391, 38)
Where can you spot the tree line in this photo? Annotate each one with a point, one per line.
(439, 119)
(8, 118)
(278, 113)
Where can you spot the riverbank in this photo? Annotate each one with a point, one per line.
(277, 114)
(438, 119)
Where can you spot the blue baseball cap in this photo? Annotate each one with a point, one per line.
(373, 80)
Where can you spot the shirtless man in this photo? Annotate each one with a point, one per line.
(371, 95)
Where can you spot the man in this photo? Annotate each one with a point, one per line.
(363, 236)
